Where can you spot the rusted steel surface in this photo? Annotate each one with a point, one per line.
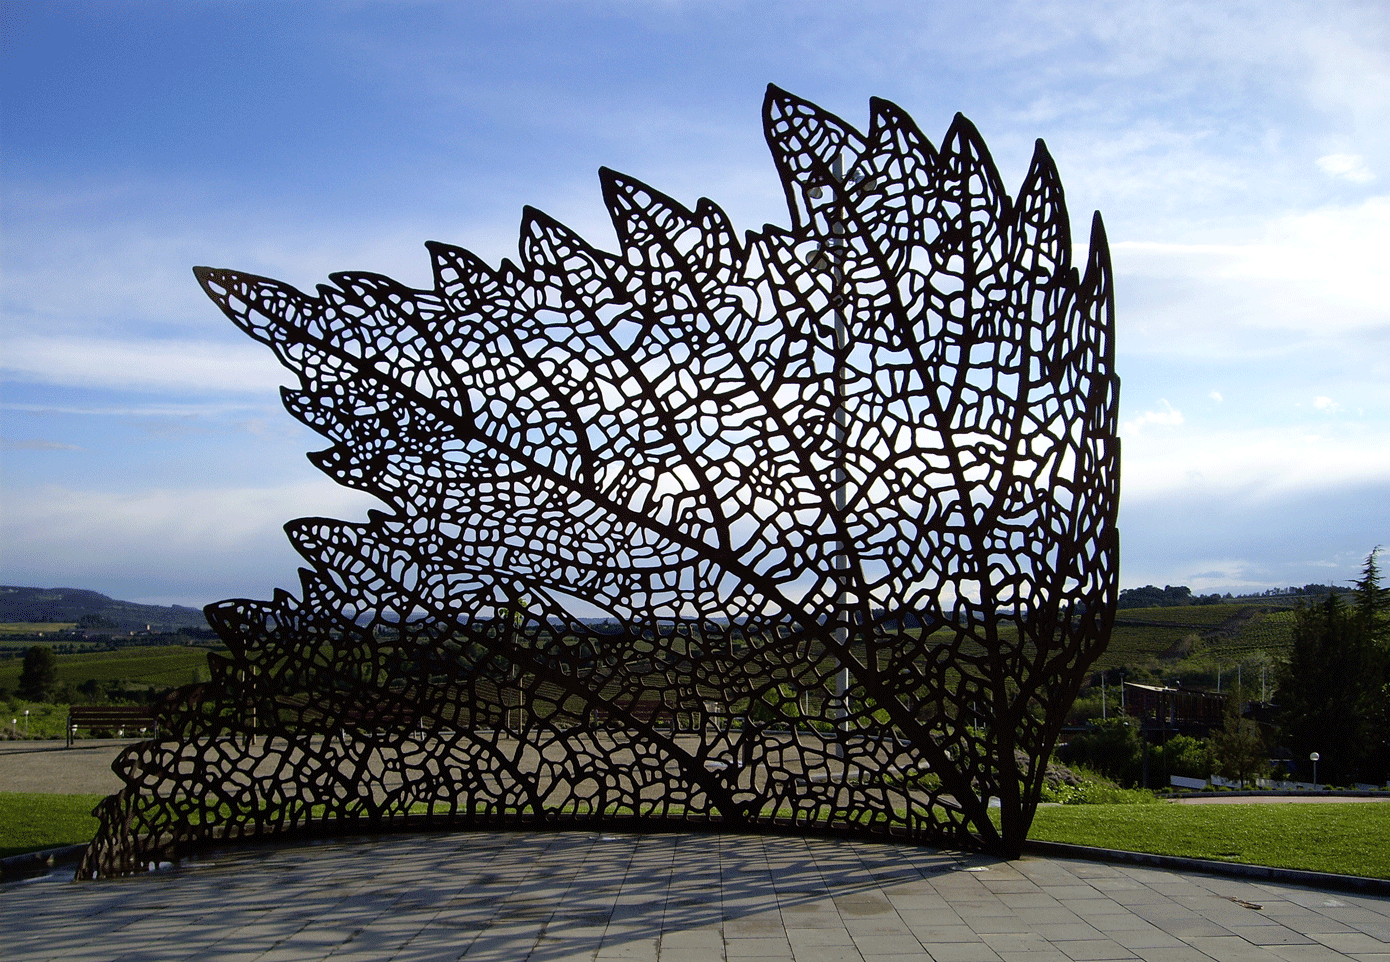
(809, 528)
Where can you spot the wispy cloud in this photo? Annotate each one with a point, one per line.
(208, 408)
(1167, 416)
(1350, 167)
(1251, 464)
(1233, 149)
(143, 365)
(190, 544)
(1313, 277)
(35, 444)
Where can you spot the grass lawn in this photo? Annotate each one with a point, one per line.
(30, 822)
(1324, 837)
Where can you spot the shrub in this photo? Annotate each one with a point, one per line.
(1091, 790)
(1186, 756)
(1114, 747)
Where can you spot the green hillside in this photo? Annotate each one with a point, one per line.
(1225, 633)
(162, 667)
(78, 606)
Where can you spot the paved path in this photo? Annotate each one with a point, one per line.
(50, 768)
(663, 898)
(674, 898)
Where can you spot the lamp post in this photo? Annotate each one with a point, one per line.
(1314, 759)
(841, 475)
(834, 252)
(26, 723)
(831, 251)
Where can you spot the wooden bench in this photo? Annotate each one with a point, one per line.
(650, 708)
(111, 716)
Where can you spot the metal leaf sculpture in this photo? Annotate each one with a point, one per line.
(812, 531)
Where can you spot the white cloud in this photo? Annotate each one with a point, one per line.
(144, 365)
(1245, 465)
(1326, 404)
(1216, 396)
(213, 518)
(219, 408)
(1315, 275)
(188, 546)
(1350, 167)
(1168, 417)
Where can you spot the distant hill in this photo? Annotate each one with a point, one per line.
(89, 609)
(1177, 596)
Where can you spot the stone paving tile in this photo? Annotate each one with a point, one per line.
(760, 926)
(1114, 925)
(799, 937)
(757, 948)
(1147, 938)
(1231, 948)
(1271, 934)
(1352, 942)
(570, 896)
(1000, 925)
(932, 934)
(689, 954)
(827, 953)
(1092, 905)
(961, 952)
(1055, 915)
(645, 948)
(1306, 953)
(1184, 953)
(869, 945)
(1091, 950)
(878, 928)
(1036, 899)
(1068, 932)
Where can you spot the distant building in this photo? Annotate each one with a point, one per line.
(1191, 711)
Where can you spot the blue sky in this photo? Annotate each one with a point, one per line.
(1239, 152)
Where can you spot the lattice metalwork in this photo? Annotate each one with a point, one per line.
(812, 530)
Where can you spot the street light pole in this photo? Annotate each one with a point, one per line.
(837, 170)
(1314, 759)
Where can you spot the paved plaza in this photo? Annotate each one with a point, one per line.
(554, 896)
(505, 897)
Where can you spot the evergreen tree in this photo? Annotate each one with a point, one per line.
(1371, 603)
(1237, 749)
(1331, 687)
(39, 676)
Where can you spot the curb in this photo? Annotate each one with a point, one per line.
(31, 864)
(1324, 880)
(1338, 793)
